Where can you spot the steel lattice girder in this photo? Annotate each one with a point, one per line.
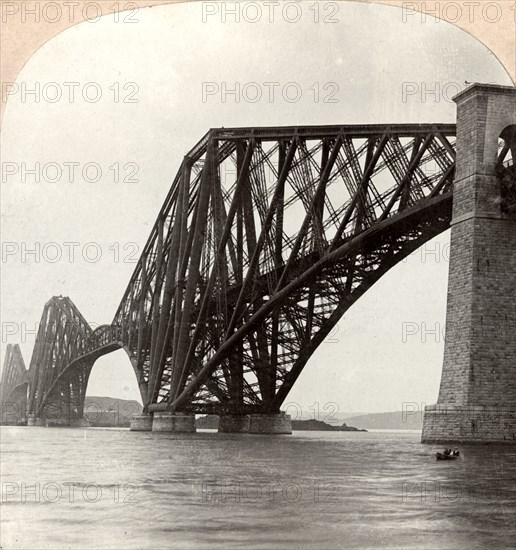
(506, 171)
(266, 237)
(63, 355)
(14, 371)
(14, 384)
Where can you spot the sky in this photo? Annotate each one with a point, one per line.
(118, 104)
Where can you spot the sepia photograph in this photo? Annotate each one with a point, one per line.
(258, 275)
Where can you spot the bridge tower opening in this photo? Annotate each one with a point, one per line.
(477, 396)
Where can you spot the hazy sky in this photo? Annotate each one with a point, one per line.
(379, 69)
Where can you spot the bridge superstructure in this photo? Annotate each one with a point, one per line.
(266, 237)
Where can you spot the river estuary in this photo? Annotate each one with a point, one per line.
(112, 488)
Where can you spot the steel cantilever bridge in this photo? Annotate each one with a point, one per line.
(266, 237)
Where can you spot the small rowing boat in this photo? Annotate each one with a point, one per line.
(443, 456)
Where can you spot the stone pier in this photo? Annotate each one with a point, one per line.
(477, 396)
(173, 422)
(33, 420)
(141, 423)
(279, 423)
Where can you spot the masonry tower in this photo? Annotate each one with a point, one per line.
(477, 396)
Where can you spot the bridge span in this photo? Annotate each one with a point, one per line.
(266, 237)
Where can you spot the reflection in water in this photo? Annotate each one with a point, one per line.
(111, 488)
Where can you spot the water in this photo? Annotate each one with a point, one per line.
(112, 488)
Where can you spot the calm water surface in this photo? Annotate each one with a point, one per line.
(112, 488)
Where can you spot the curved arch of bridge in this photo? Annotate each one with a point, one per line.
(76, 373)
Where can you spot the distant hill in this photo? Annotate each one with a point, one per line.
(319, 426)
(109, 411)
(211, 421)
(112, 403)
(387, 421)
